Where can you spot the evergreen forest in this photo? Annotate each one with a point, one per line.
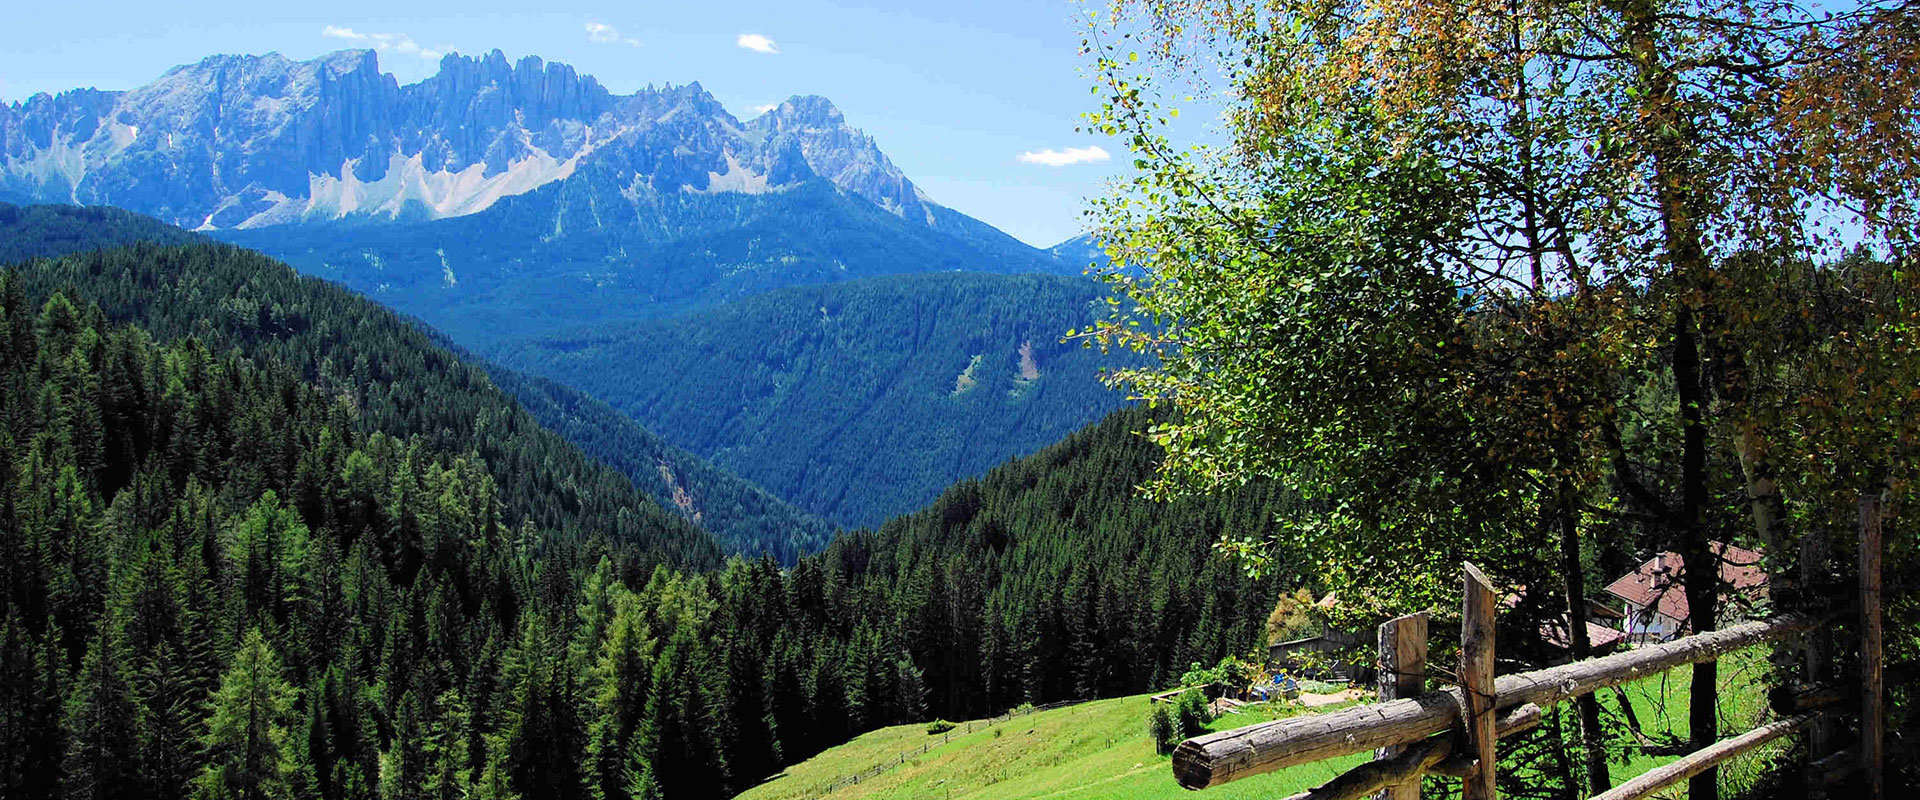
(250, 550)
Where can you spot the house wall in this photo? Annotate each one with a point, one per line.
(1643, 623)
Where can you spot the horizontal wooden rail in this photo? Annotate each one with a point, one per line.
(1700, 760)
(1432, 754)
(1230, 755)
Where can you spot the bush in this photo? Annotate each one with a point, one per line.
(1160, 729)
(1190, 713)
(939, 726)
(1231, 672)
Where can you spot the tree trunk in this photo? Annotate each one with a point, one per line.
(1562, 765)
(1701, 575)
(1592, 738)
(1676, 191)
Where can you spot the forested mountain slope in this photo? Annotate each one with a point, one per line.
(219, 579)
(742, 515)
(44, 231)
(558, 257)
(745, 518)
(858, 400)
(217, 582)
(222, 575)
(1051, 577)
(397, 381)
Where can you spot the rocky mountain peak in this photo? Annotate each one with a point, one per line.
(804, 111)
(841, 153)
(243, 141)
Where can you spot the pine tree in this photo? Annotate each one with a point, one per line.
(618, 687)
(246, 739)
(676, 738)
(640, 784)
(30, 697)
(101, 726)
(449, 771)
(403, 766)
(494, 782)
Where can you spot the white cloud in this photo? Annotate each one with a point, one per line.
(385, 42)
(757, 43)
(1060, 158)
(602, 33)
(765, 108)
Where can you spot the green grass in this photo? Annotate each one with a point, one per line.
(1096, 750)
(1100, 751)
(1661, 704)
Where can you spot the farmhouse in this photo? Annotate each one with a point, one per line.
(1656, 600)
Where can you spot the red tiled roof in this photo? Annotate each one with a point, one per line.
(1657, 583)
(1600, 637)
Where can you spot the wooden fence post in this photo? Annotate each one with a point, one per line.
(1873, 713)
(1476, 680)
(1817, 645)
(1403, 670)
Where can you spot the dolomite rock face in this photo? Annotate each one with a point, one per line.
(499, 199)
(241, 142)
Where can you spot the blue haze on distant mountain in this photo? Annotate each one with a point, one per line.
(498, 198)
(623, 245)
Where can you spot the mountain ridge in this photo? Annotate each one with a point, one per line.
(742, 516)
(498, 200)
(245, 141)
(855, 400)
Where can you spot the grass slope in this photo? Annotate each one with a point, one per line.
(1661, 704)
(1093, 750)
(1100, 751)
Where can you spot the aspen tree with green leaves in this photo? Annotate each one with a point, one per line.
(1503, 281)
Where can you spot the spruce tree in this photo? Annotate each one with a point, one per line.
(246, 739)
(101, 726)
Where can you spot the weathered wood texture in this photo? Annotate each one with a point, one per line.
(1387, 775)
(1230, 755)
(1403, 673)
(1512, 721)
(1873, 705)
(1476, 679)
(1817, 646)
(1433, 754)
(1701, 760)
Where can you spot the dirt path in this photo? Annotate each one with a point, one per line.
(1318, 700)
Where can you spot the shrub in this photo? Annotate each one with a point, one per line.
(1160, 729)
(939, 726)
(1190, 713)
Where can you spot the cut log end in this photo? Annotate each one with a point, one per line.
(1192, 766)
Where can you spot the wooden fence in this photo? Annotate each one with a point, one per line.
(1452, 732)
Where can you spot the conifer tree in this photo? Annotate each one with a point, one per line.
(101, 727)
(246, 739)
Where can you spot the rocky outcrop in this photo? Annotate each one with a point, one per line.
(811, 128)
(252, 141)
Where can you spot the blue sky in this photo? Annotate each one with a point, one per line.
(954, 92)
